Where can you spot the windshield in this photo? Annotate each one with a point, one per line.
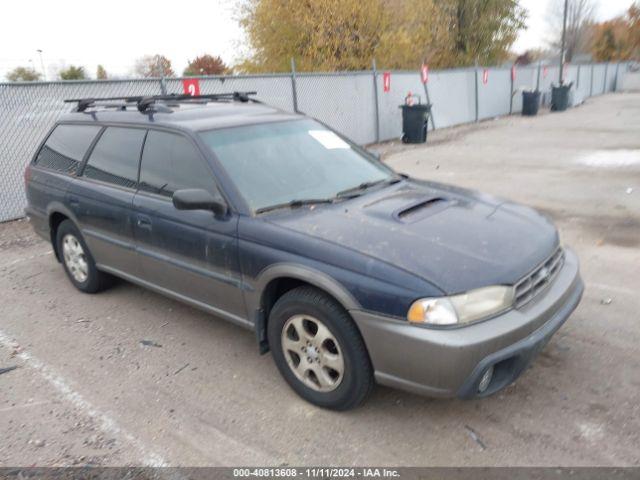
(277, 163)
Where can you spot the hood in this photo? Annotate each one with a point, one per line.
(454, 238)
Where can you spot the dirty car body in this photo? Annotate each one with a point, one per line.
(452, 292)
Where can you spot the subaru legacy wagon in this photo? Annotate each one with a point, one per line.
(349, 273)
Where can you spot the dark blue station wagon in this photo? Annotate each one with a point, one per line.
(348, 272)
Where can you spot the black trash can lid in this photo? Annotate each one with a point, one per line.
(417, 106)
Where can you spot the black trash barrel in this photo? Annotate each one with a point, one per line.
(414, 122)
(560, 98)
(530, 102)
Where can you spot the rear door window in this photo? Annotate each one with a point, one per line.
(171, 162)
(115, 157)
(66, 147)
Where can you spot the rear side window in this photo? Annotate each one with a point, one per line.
(170, 162)
(115, 157)
(66, 146)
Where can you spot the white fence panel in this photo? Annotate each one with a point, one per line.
(494, 95)
(452, 94)
(345, 102)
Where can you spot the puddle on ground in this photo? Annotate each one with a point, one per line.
(611, 158)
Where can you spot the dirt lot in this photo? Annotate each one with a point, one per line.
(87, 391)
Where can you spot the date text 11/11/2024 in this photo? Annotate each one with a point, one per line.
(317, 472)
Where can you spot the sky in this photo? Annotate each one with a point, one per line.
(115, 33)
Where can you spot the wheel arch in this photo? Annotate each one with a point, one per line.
(278, 279)
(56, 214)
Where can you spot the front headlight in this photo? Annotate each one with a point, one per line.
(463, 308)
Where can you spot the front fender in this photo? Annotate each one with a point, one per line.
(304, 273)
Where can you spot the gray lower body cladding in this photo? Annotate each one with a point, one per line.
(451, 362)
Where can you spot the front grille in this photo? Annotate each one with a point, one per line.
(534, 283)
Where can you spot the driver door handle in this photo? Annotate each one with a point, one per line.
(144, 222)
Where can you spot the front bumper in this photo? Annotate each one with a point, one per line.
(451, 362)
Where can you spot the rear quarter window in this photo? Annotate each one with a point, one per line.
(66, 146)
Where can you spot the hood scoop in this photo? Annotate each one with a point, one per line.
(425, 207)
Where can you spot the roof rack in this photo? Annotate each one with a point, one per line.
(146, 104)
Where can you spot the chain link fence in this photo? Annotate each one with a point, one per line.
(354, 103)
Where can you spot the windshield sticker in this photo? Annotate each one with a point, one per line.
(328, 139)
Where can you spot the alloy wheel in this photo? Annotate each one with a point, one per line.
(75, 258)
(312, 353)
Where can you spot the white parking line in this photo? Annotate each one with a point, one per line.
(107, 424)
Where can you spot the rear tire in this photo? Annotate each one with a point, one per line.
(77, 260)
(318, 349)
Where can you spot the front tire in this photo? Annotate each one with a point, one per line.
(77, 260)
(318, 349)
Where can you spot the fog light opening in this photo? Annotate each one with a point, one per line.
(485, 380)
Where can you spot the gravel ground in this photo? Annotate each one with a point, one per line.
(86, 391)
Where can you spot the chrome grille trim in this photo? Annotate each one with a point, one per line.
(535, 282)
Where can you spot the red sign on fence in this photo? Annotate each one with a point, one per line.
(485, 76)
(191, 86)
(386, 81)
(424, 73)
(545, 70)
(513, 73)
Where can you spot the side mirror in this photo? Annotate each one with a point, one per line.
(198, 199)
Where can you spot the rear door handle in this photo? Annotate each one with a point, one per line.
(144, 222)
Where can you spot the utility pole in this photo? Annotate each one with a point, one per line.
(44, 73)
(564, 32)
(160, 67)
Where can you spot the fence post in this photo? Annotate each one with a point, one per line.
(511, 89)
(538, 77)
(615, 80)
(294, 89)
(606, 70)
(476, 90)
(163, 82)
(426, 94)
(578, 78)
(591, 84)
(374, 72)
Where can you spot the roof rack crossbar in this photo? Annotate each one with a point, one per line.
(144, 103)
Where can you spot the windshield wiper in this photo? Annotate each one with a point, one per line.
(344, 194)
(358, 190)
(295, 203)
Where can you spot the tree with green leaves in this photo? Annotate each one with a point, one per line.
(72, 72)
(101, 73)
(23, 74)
